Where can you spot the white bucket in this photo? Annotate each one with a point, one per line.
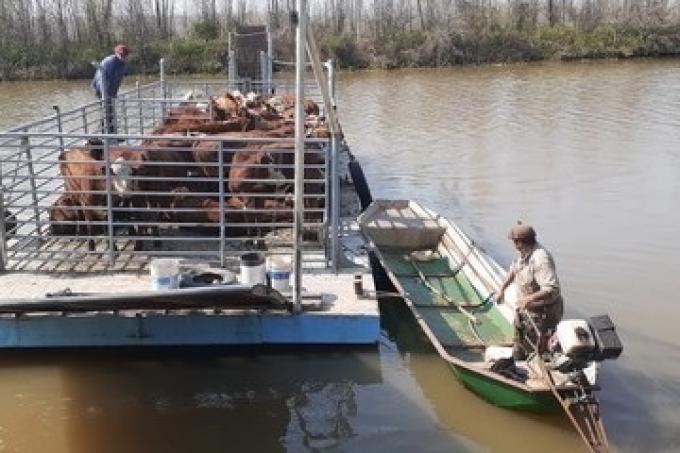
(280, 269)
(164, 273)
(253, 270)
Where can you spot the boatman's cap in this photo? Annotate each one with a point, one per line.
(122, 49)
(522, 232)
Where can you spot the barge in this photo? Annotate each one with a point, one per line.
(76, 244)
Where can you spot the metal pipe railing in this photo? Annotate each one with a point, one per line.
(34, 180)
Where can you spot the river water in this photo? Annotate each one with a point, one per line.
(586, 152)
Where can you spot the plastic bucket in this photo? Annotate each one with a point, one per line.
(280, 269)
(164, 273)
(253, 270)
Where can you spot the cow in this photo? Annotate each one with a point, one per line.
(188, 207)
(85, 181)
(66, 217)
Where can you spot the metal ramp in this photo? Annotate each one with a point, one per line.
(250, 54)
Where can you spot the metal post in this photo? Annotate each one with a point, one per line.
(232, 69)
(263, 72)
(123, 107)
(300, 32)
(163, 87)
(220, 159)
(328, 203)
(105, 101)
(335, 200)
(270, 62)
(330, 65)
(109, 201)
(84, 115)
(26, 146)
(141, 111)
(60, 128)
(335, 175)
(3, 232)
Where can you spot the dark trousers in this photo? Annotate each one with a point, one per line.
(526, 335)
(108, 122)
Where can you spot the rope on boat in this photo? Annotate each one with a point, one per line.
(475, 333)
(424, 280)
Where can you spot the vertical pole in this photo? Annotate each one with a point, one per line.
(232, 69)
(141, 110)
(109, 200)
(270, 62)
(335, 175)
(84, 115)
(60, 127)
(3, 231)
(26, 146)
(300, 32)
(330, 65)
(220, 159)
(105, 100)
(263, 72)
(327, 203)
(123, 107)
(163, 87)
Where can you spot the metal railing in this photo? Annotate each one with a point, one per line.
(132, 196)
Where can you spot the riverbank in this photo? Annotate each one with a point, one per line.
(415, 49)
(399, 49)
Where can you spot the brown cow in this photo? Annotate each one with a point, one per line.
(227, 106)
(187, 207)
(66, 217)
(85, 181)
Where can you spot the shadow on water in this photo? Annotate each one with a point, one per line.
(240, 399)
(236, 399)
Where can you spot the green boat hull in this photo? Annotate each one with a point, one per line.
(505, 395)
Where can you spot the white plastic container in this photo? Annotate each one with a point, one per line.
(253, 269)
(495, 353)
(164, 273)
(280, 271)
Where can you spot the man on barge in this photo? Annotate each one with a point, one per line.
(539, 291)
(111, 70)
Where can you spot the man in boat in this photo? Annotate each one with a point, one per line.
(539, 291)
(111, 70)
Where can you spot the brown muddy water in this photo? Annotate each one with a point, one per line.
(586, 152)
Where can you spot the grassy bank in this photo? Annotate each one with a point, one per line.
(414, 49)
(399, 49)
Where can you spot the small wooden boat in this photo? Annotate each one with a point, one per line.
(449, 284)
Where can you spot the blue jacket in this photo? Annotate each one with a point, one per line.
(114, 70)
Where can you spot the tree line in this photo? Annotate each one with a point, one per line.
(60, 38)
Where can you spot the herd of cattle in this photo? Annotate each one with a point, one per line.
(176, 178)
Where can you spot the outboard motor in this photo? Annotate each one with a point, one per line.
(578, 342)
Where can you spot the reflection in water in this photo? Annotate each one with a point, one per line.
(586, 152)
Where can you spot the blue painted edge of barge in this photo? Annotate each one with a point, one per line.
(187, 329)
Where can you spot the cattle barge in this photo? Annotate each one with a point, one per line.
(204, 173)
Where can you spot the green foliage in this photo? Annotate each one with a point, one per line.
(207, 30)
(195, 55)
(344, 49)
(202, 51)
